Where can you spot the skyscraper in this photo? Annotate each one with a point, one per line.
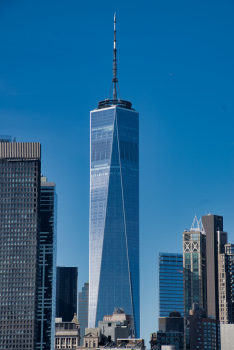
(47, 266)
(194, 263)
(83, 308)
(20, 165)
(212, 224)
(66, 292)
(114, 208)
(170, 284)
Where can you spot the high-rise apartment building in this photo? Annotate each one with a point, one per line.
(114, 208)
(47, 266)
(66, 292)
(212, 224)
(170, 284)
(83, 308)
(20, 165)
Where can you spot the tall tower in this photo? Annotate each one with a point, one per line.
(20, 165)
(47, 266)
(114, 208)
(212, 224)
(83, 310)
(194, 266)
(66, 292)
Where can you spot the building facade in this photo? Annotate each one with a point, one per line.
(20, 168)
(226, 282)
(170, 284)
(114, 209)
(67, 334)
(227, 336)
(204, 332)
(83, 308)
(194, 264)
(47, 266)
(212, 224)
(66, 292)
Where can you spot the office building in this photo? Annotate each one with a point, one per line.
(66, 292)
(114, 209)
(170, 284)
(47, 266)
(67, 334)
(212, 224)
(170, 338)
(83, 308)
(194, 264)
(204, 332)
(171, 331)
(175, 322)
(226, 280)
(20, 168)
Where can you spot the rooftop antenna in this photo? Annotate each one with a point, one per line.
(114, 79)
(114, 101)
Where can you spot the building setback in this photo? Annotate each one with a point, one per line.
(170, 284)
(47, 266)
(114, 209)
(20, 168)
(66, 292)
(83, 308)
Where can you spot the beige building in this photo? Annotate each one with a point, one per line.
(67, 334)
(91, 339)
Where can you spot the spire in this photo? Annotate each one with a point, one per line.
(114, 80)
(114, 101)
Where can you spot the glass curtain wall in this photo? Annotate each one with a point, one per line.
(170, 284)
(114, 214)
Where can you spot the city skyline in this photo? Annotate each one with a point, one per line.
(175, 65)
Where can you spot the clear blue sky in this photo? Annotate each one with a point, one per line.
(175, 63)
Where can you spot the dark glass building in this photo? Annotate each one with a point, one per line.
(20, 168)
(212, 224)
(170, 284)
(66, 292)
(114, 209)
(83, 308)
(47, 266)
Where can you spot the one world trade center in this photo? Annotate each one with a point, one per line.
(114, 208)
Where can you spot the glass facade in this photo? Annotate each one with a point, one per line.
(194, 264)
(66, 292)
(170, 284)
(114, 214)
(170, 338)
(47, 266)
(83, 310)
(19, 254)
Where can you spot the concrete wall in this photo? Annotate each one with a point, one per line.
(227, 336)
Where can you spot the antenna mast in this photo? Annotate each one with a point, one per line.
(114, 80)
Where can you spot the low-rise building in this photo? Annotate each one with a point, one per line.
(67, 334)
